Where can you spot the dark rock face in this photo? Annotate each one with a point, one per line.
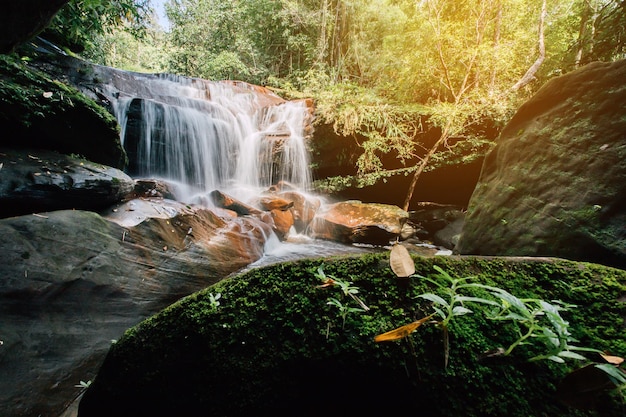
(72, 281)
(37, 112)
(555, 184)
(21, 20)
(37, 180)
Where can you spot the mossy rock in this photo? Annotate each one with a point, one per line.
(275, 346)
(43, 113)
(555, 183)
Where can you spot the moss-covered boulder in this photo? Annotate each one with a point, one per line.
(273, 342)
(37, 111)
(555, 184)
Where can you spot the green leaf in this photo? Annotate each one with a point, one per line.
(460, 310)
(552, 337)
(440, 312)
(435, 299)
(464, 298)
(616, 374)
(571, 355)
(519, 305)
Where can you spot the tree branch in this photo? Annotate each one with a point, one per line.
(530, 74)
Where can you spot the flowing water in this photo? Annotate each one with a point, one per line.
(203, 136)
(213, 135)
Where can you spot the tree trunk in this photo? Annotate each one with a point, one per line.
(422, 165)
(530, 74)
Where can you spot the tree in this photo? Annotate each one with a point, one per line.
(530, 74)
(249, 40)
(79, 22)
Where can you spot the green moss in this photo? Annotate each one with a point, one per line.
(274, 344)
(43, 112)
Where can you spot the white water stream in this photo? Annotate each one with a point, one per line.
(203, 136)
(207, 135)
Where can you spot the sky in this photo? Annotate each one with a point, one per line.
(158, 6)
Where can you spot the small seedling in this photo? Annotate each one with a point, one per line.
(214, 300)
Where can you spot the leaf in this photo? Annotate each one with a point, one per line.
(571, 355)
(463, 298)
(615, 360)
(513, 301)
(401, 262)
(401, 332)
(460, 310)
(435, 299)
(617, 376)
(552, 337)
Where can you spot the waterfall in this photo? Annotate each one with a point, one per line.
(207, 135)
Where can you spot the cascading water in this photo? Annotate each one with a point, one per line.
(228, 136)
(207, 135)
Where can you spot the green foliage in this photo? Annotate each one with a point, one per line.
(454, 305)
(214, 300)
(121, 49)
(80, 22)
(347, 289)
(250, 41)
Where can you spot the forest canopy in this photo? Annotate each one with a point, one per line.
(415, 82)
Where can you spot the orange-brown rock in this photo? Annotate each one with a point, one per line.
(303, 208)
(357, 222)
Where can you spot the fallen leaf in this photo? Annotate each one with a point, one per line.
(613, 360)
(401, 332)
(401, 262)
(47, 94)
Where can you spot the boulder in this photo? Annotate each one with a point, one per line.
(38, 180)
(73, 281)
(555, 183)
(357, 222)
(304, 207)
(274, 343)
(225, 201)
(38, 112)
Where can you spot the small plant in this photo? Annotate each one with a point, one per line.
(344, 309)
(347, 290)
(214, 300)
(454, 304)
(538, 322)
(83, 384)
(346, 286)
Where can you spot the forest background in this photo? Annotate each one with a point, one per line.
(418, 84)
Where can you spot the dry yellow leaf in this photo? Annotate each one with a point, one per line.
(613, 360)
(401, 262)
(401, 332)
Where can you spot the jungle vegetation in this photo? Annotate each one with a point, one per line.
(416, 83)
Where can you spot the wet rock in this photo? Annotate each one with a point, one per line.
(151, 188)
(357, 222)
(225, 201)
(38, 112)
(72, 281)
(303, 208)
(37, 180)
